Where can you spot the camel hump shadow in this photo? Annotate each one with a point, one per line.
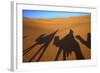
(42, 39)
(68, 44)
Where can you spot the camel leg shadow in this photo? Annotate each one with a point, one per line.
(79, 54)
(64, 55)
(36, 54)
(58, 53)
(28, 49)
(44, 49)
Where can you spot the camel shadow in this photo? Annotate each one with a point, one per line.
(66, 45)
(87, 42)
(42, 39)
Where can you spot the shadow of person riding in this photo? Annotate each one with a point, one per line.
(67, 45)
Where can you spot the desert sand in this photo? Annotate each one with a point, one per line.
(34, 27)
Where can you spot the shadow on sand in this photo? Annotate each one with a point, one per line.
(42, 39)
(68, 44)
(87, 42)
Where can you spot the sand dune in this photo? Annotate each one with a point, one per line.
(32, 28)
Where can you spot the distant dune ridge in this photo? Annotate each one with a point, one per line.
(34, 27)
(57, 21)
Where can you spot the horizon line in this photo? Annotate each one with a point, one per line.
(55, 17)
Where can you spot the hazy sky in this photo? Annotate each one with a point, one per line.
(50, 14)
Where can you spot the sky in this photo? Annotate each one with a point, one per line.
(51, 14)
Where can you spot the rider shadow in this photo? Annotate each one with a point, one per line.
(67, 45)
(87, 42)
(42, 39)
